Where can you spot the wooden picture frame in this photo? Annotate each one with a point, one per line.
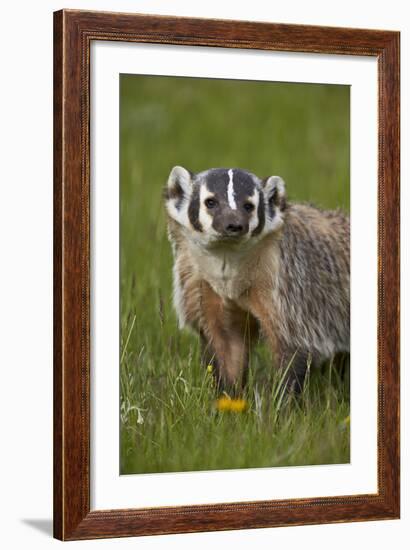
(74, 32)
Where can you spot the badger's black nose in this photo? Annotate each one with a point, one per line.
(234, 229)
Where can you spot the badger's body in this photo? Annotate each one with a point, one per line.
(246, 263)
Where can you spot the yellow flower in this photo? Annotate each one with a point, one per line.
(233, 405)
(210, 368)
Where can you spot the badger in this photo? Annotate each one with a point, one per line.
(249, 264)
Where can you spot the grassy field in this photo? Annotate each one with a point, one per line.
(168, 417)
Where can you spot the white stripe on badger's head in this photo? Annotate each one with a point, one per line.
(231, 191)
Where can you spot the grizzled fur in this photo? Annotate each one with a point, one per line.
(247, 262)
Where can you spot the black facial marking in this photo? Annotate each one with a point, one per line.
(243, 186)
(217, 181)
(193, 209)
(261, 216)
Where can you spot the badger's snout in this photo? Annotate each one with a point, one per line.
(234, 229)
(230, 224)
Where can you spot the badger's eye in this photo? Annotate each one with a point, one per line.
(210, 203)
(248, 206)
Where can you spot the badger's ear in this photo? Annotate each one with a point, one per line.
(179, 185)
(178, 194)
(274, 191)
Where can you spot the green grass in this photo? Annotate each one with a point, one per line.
(168, 417)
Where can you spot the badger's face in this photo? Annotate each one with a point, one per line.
(225, 207)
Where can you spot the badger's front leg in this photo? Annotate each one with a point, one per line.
(292, 362)
(225, 329)
(226, 333)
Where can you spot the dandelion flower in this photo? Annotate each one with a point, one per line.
(225, 404)
(210, 368)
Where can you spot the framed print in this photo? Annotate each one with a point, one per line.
(226, 275)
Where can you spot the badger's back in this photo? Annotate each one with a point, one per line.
(313, 291)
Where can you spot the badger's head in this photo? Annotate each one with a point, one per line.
(225, 206)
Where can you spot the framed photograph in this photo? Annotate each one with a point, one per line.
(226, 275)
